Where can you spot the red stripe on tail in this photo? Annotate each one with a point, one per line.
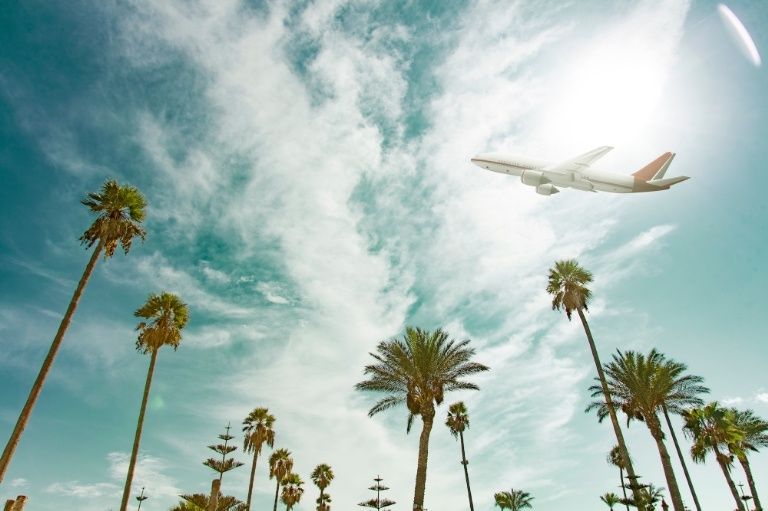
(646, 173)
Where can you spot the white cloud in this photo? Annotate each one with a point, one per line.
(762, 397)
(83, 490)
(19, 482)
(272, 292)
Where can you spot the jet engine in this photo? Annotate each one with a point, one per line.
(533, 178)
(546, 189)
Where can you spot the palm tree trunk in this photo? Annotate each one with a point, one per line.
(681, 458)
(21, 423)
(612, 412)
(321, 498)
(466, 473)
(623, 488)
(669, 474)
(721, 460)
(421, 470)
(751, 481)
(250, 484)
(277, 490)
(137, 437)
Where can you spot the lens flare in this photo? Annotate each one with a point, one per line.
(740, 32)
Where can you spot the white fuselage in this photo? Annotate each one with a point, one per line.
(530, 172)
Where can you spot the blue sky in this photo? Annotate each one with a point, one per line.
(307, 170)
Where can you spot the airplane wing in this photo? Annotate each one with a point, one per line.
(577, 164)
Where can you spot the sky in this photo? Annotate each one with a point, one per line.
(306, 166)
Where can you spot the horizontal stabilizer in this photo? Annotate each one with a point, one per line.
(656, 169)
(666, 183)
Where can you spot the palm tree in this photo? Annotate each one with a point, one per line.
(614, 458)
(280, 465)
(322, 477)
(650, 495)
(567, 283)
(640, 384)
(201, 502)
(457, 422)
(713, 428)
(754, 434)
(292, 491)
(417, 370)
(324, 502)
(165, 316)
(610, 499)
(514, 500)
(680, 455)
(257, 431)
(120, 211)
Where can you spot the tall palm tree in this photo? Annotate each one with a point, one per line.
(567, 283)
(257, 431)
(754, 434)
(514, 500)
(680, 455)
(615, 458)
(292, 491)
(457, 422)
(418, 370)
(165, 315)
(322, 477)
(610, 499)
(713, 428)
(280, 465)
(640, 384)
(120, 211)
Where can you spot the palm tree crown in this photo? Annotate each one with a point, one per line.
(610, 499)
(280, 464)
(257, 430)
(567, 284)
(292, 490)
(167, 315)
(322, 476)
(120, 212)
(642, 384)
(514, 500)
(418, 369)
(458, 420)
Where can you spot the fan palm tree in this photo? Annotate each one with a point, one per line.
(418, 370)
(640, 384)
(614, 458)
(610, 499)
(120, 211)
(165, 315)
(457, 422)
(322, 477)
(514, 500)
(650, 495)
(292, 491)
(257, 431)
(713, 428)
(324, 502)
(567, 283)
(280, 465)
(754, 434)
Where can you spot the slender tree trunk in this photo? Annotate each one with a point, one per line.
(277, 490)
(751, 481)
(321, 504)
(681, 458)
(421, 471)
(213, 501)
(669, 474)
(466, 473)
(612, 412)
(624, 488)
(137, 437)
(721, 460)
(21, 423)
(250, 484)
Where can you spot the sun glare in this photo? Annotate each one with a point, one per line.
(607, 95)
(740, 33)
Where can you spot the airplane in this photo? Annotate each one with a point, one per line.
(577, 173)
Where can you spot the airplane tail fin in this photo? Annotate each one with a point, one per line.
(656, 169)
